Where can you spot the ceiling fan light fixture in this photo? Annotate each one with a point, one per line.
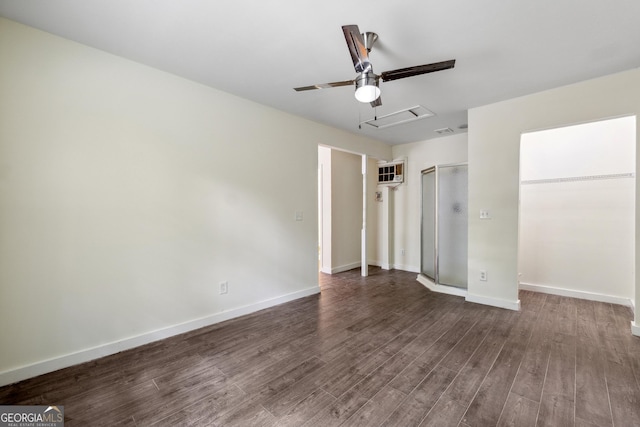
(367, 89)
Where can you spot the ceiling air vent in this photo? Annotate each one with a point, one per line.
(444, 131)
(403, 116)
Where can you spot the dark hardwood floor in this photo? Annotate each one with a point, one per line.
(372, 351)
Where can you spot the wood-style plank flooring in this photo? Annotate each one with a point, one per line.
(372, 351)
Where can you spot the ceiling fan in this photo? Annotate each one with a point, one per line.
(367, 89)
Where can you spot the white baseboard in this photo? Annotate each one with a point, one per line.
(39, 368)
(409, 268)
(591, 296)
(635, 329)
(383, 266)
(351, 266)
(449, 290)
(495, 302)
(343, 268)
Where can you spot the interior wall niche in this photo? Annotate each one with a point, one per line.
(577, 210)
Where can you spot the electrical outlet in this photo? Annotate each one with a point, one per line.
(224, 287)
(402, 252)
(483, 275)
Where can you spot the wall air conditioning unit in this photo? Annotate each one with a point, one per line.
(391, 173)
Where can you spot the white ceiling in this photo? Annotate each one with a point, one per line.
(261, 50)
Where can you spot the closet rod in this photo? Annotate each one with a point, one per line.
(578, 178)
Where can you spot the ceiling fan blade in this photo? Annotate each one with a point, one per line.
(401, 73)
(325, 85)
(357, 48)
(377, 102)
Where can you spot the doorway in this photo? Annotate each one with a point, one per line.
(341, 209)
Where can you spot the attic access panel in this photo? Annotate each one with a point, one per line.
(399, 117)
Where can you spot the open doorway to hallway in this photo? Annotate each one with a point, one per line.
(340, 211)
